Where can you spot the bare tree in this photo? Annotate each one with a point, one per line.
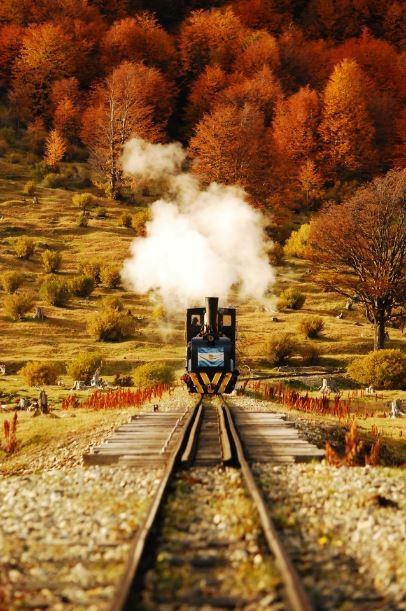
(358, 249)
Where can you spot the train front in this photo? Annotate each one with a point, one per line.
(210, 359)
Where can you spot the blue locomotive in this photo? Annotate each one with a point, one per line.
(210, 358)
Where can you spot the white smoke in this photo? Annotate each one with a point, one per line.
(199, 242)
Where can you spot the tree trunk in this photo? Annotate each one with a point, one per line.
(379, 339)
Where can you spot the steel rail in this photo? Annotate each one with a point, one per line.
(295, 591)
(121, 600)
(227, 454)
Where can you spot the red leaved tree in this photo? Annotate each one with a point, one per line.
(346, 128)
(138, 38)
(210, 37)
(134, 100)
(358, 249)
(230, 147)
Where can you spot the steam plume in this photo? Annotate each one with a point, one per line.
(199, 242)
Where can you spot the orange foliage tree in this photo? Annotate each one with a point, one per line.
(346, 128)
(210, 37)
(66, 102)
(230, 147)
(295, 127)
(47, 54)
(358, 249)
(134, 100)
(261, 90)
(10, 43)
(260, 49)
(270, 14)
(204, 92)
(139, 38)
(55, 149)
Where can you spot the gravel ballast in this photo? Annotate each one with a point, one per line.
(345, 529)
(65, 535)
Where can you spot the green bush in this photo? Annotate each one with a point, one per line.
(18, 304)
(55, 291)
(384, 369)
(82, 286)
(30, 187)
(276, 254)
(51, 261)
(11, 281)
(281, 348)
(83, 366)
(54, 180)
(83, 221)
(149, 374)
(109, 325)
(110, 276)
(84, 201)
(100, 212)
(292, 299)
(311, 326)
(310, 354)
(24, 248)
(296, 244)
(90, 268)
(126, 220)
(40, 373)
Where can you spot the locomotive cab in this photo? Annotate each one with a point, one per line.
(210, 358)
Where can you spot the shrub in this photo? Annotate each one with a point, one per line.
(24, 247)
(384, 369)
(83, 366)
(90, 268)
(112, 303)
(83, 220)
(110, 326)
(55, 291)
(310, 354)
(82, 286)
(139, 220)
(40, 373)
(281, 348)
(11, 281)
(18, 304)
(296, 244)
(275, 255)
(126, 220)
(14, 157)
(54, 180)
(311, 326)
(100, 212)
(159, 313)
(110, 276)
(83, 200)
(39, 170)
(51, 261)
(149, 374)
(30, 187)
(292, 299)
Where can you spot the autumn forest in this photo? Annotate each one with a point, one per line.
(298, 102)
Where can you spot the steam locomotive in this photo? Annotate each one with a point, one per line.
(210, 358)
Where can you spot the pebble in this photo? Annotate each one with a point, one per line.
(68, 551)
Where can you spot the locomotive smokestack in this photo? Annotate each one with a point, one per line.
(212, 304)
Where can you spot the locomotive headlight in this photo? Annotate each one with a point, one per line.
(210, 338)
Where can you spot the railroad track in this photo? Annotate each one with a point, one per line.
(209, 436)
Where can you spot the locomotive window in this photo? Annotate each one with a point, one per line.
(196, 320)
(227, 320)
